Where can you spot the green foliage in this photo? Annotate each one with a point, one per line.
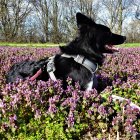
(38, 45)
(131, 45)
(14, 44)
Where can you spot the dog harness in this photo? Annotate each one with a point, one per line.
(77, 58)
(51, 68)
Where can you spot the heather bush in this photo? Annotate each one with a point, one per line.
(43, 110)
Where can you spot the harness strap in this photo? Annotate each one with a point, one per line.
(51, 68)
(83, 61)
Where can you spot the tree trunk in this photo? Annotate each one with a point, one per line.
(120, 17)
(55, 29)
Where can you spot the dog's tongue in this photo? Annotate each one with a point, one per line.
(112, 47)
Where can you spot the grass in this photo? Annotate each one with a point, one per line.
(130, 45)
(14, 44)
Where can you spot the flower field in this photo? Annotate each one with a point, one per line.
(44, 111)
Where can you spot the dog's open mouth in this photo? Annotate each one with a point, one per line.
(111, 48)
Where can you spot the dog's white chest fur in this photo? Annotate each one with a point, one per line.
(89, 86)
(92, 83)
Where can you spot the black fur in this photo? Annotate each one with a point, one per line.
(90, 43)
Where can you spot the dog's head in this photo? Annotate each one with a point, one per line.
(99, 37)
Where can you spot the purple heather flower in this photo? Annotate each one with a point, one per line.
(89, 112)
(4, 126)
(1, 104)
(70, 119)
(56, 98)
(131, 129)
(110, 99)
(102, 110)
(110, 111)
(116, 120)
(95, 105)
(12, 118)
(37, 114)
(66, 102)
(87, 94)
(52, 109)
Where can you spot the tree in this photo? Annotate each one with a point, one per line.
(136, 4)
(137, 15)
(116, 12)
(13, 14)
(133, 31)
(54, 20)
(42, 11)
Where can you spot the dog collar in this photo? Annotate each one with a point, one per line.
(92, 67)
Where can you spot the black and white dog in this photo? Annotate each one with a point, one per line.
(78, 60)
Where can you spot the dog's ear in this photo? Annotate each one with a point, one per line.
(83, 20)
